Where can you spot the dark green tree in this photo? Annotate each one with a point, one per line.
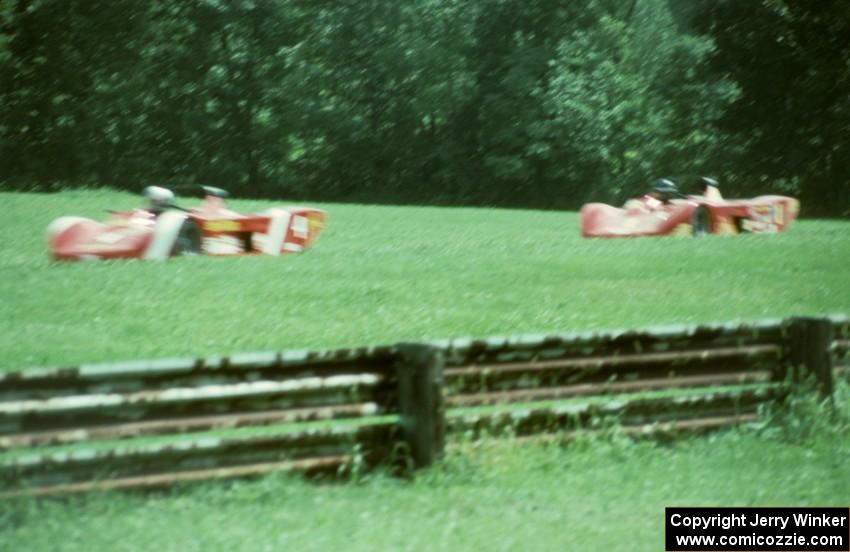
(496, 102)
(789, 59)
(58, 91)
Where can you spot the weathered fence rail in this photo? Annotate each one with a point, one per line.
(707, 376)
(159, 422)
(153, 423)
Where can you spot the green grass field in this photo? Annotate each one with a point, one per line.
(387, 274)
(493, 495)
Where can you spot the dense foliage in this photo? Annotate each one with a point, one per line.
(497, 102)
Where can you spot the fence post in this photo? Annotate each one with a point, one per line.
(810, 342)
(420, 398)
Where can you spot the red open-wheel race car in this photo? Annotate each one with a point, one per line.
(162, 229)
(664, 212)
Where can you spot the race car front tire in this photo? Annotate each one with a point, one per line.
(188, 240)
(701, 221)
(164, 242)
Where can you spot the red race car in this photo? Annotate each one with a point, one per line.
(162, 229)
(666, 212)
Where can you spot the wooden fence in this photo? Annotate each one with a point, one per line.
(154, 423)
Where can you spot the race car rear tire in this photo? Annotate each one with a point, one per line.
(188, 241)
(701, 221)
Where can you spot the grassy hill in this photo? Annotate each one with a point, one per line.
(386, 274)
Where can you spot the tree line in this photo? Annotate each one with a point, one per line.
(537, 103)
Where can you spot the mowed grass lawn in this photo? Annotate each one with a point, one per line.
(387, 274)
(384, 274)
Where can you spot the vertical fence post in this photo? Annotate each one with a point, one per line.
(810, 342)
(420, 398)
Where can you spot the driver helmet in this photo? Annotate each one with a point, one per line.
(158, 198)
(665, 189)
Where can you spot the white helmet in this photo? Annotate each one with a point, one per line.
(158, 198)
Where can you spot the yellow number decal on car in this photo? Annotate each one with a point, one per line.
(316, 224)
(221, 226)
